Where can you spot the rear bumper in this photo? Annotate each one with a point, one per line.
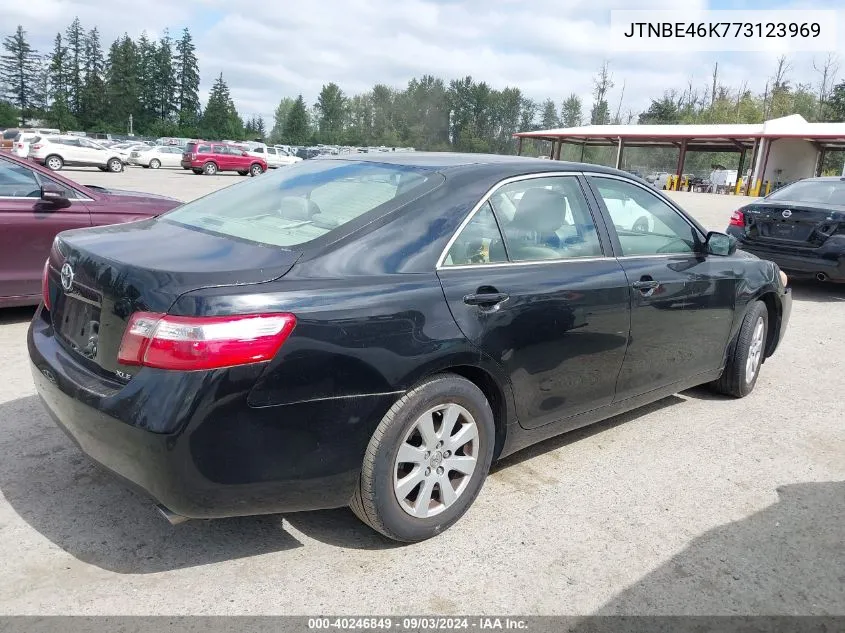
(224, 458)
(828, 259)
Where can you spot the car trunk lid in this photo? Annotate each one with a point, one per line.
(99, 277)
(795, 223)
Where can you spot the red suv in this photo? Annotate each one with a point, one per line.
(209, 158)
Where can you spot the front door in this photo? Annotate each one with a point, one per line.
(540, 297)
(682, 300)
(27, 228)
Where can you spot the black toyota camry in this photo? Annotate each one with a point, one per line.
(375, 331)
(801, 227)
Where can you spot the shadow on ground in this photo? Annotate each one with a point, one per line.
(94, 517)
(816, 292)
(16, 315)
(788, 559)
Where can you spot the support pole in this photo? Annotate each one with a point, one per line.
(754, 160)
(583, 147)
(820, 162)
(552, 151)
(559, 147)
(682, 157)
(740, 170)
(619, 148)
(519, 146)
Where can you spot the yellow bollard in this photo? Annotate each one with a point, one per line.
(738, 187)
(768, 188)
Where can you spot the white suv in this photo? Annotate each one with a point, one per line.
(57, 151)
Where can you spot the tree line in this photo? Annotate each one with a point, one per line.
(78, 85)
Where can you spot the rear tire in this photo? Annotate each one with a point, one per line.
(115, 165)
(417, 511)
(746, 355)
(210, 168)
(155, 163)
(54, 163)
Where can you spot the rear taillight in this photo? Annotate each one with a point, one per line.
(737, 219)
(188, 343)
(36, 146)
(45, 284)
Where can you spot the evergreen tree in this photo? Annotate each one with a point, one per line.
(147, 93)
(260, 128)
(297, 129)
(75, 38)
(122, 82)
(187, 82)
(277, 134)
(59, 114)
(19, 73)
(164, 78)
(93, 103)
(548, 119)
(571, 114)
(9, 114)
(331, 108)
(836, 103)
(220, 119)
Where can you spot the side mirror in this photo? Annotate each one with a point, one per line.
(720, 244)
(54, 194)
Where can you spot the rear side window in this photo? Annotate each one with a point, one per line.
(480, 242)
(203, 149)
(9, 135)
(294, 206)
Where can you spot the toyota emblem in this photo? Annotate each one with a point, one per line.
(67, 277)
(787, 213)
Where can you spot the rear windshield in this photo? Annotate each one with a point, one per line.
(823, 191)
(301, 203)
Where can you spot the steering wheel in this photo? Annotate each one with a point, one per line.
(667, 248)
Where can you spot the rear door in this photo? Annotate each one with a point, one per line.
(542, 296)
(682, 300)
(28, 226)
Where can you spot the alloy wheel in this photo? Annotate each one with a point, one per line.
(436, 460)
(755, 351)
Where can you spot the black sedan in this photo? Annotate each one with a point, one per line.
(800, 226)
(374, 331)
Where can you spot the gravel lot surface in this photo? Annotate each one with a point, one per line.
(694, 505)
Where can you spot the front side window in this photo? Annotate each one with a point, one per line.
(480, 241)
(16, 181)
(645, 224)
(546, 218)
(293, 206)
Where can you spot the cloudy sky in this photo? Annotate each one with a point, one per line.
(269, 49)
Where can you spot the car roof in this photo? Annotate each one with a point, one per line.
(444, 161)
(824, 179)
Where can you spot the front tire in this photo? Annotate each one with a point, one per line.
(427, 460)
(256, 170)
(745, 358)
(115, 165)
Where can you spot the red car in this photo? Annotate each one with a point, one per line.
(36, 204)
(208, 158)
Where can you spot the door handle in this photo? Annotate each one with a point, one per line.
(645, 284)
(485, 298)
